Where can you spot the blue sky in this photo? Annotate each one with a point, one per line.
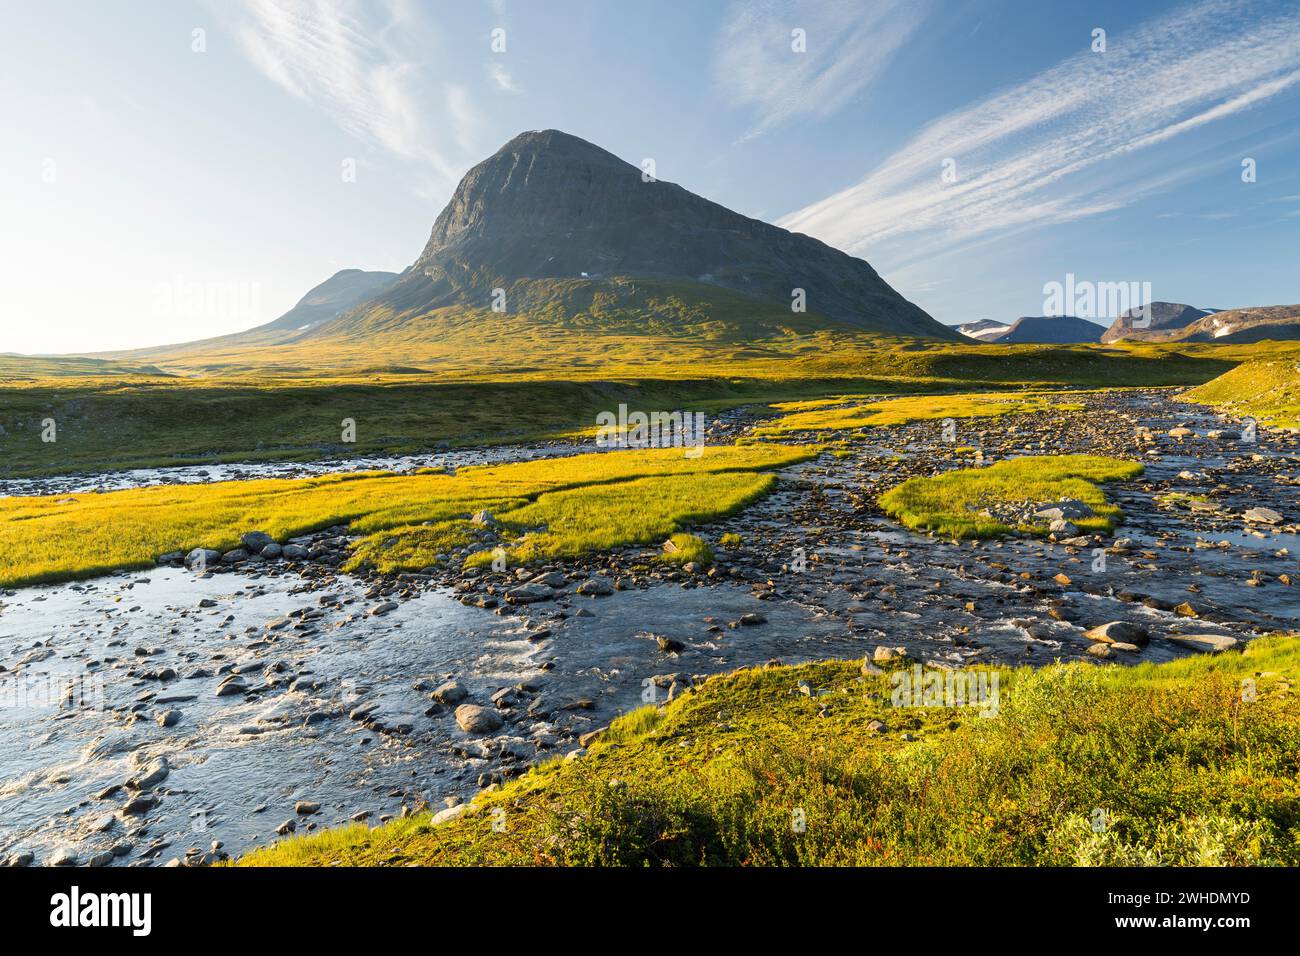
(153, 192)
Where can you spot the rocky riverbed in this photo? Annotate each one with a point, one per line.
(179, 715)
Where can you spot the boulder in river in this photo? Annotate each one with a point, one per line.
(202, 558)
(255, 542)
(1117, 632)
(530, 593)
(474, 719)
(152, 774)
(596, 587)
(551, 579)
(452, 692)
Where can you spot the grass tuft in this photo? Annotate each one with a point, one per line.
(689, 549)
(952, 503)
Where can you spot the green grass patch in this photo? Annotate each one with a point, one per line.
(1267, 390)
(951, 503)
(826, 416)
(1167, 764)
(560, 506)
(689, 549)
(634, 725)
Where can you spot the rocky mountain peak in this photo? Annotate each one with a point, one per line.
(551, 205)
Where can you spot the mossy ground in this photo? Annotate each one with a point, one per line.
(560, 507)
(688, 549)
(1194, 762)
(1266, 389)
(849, 413)
(950, 503)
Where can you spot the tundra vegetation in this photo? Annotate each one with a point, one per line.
(1153, 764)
(958, 503)
(556, 507)
(848, 413)
(1265, 389)
(409, 396)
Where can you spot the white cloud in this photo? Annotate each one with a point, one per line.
(1049, 150)
(849, 44)
(361, 65)
(502, 78)
(465, 120)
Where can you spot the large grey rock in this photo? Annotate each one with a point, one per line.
(1118, 632)
(152, 774)
(474, 719)
(1263, 516)
(1062, 527)
(452, 692)
(530, 593)
(449, 814)
(1206, 643)
(256, 541)
(1068, 509)
(202, 557)
(551, 579)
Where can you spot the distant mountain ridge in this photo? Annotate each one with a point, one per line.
(985, 329)
(1035, 329)
(341, 292)
(1172, 322)
(1141, 322)
(1157, 322)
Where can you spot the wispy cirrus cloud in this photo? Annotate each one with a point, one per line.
(848, 44)
(1065, 144)
(360, 64)
(502, 78)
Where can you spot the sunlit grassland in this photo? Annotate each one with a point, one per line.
(499, 379)
(59, 537)
(471, 378)
(950, 503)
(1267, 390)
(644, 511)
(1158, 764)
(574, 521)
(829, 415)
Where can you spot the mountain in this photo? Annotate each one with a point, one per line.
(339, 293)
(1162, 317)
(1246, 325)
(985, 330)
(550, 211)
(1171, 322)
(1050, 329)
